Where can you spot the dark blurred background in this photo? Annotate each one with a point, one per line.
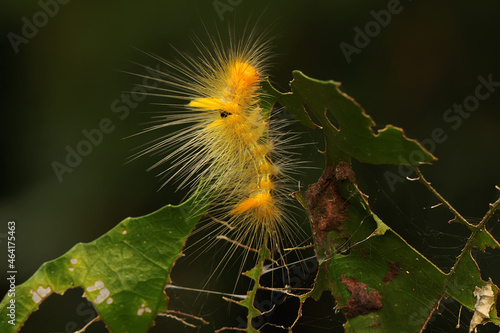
(66, 76)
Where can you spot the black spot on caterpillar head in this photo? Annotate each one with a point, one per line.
(224, 114)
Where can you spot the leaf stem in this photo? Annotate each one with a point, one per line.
(88, 324)
(493, 208)
(427, 184)
(174, 314)
(474, 228)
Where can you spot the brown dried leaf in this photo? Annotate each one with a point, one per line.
(485, 300)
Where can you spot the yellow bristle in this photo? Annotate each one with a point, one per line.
(267, 168)
(206, 103)
(256, 201)
(243, 78)
(236, 120)
(259, 151)
(249, 138)
(228, 140)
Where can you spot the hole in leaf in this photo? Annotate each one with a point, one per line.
(63, 313)
(331, 118)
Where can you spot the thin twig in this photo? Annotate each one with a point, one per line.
(299, 314)
(178, 319)
(299, 247)
(475, 230)
(459, 314)
(224, 223)
(443, 200)
(174, 315)
(236, 243)
(88, 324)
(493, 208)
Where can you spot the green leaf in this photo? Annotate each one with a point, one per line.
(123, 273)
(347, 128)
(380, 282)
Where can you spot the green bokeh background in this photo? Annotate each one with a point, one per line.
(65, 79)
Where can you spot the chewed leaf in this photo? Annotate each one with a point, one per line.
(371, 271)
(484, 303)
(347, 128)
(380, 282)
(249, 301)
(123, 273)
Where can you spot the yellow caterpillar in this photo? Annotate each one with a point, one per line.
(226, 139)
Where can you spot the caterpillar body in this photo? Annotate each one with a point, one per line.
(227, 139)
